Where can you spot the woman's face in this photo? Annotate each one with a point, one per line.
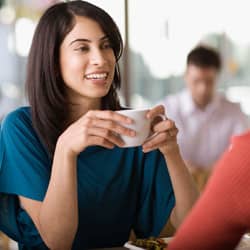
(87, 61)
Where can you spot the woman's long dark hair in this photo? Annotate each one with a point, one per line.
(44, 85)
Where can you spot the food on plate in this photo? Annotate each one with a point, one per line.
(150, 243)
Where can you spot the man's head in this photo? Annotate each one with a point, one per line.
(203, 67)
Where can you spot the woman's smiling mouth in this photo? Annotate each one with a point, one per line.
(97, 76)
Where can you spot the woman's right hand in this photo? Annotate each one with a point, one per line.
(96, 127)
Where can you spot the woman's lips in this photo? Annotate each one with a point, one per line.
(97, 76)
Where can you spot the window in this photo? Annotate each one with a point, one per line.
(162, 33)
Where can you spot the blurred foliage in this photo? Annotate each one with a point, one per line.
(1, 3)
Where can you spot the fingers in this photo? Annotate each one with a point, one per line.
(105, 137)
(109, 125)
(114, 121)
(104, 127)
(100, 141)
(109, 115)
(156, 111)
(157, 115)
(157, 141)
(166, 125)
(166, 135)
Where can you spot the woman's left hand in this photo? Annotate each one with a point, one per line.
(165, 138)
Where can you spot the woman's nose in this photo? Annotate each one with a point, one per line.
(97, 57)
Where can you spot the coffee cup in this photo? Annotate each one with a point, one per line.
(141, 125)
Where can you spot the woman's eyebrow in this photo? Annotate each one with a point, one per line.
(87, 40)
(80, 40)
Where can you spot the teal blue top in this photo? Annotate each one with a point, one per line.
(118, 190)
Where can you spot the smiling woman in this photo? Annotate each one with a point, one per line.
(87, 62)
(63, 165)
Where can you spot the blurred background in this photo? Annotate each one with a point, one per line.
(157, 37)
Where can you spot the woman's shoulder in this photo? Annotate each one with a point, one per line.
(17, 116)
(17, 129)
(17, 120)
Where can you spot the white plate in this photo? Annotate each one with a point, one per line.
(244, 243)
(129, 245)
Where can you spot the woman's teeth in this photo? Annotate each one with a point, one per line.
(97, 76)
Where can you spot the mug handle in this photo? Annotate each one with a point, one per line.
(153, 134)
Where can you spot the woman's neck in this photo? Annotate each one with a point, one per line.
(78, 110)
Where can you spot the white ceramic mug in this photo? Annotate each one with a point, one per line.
(141, 125)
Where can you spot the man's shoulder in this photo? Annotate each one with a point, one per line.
(232, 113)
(229, 105)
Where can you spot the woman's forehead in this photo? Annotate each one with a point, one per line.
(85, 28)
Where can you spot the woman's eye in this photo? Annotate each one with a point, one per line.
(106, 46)
(82, 48)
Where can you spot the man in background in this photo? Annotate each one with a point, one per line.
(206, 119)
